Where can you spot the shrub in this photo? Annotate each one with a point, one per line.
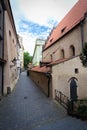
(82, 110)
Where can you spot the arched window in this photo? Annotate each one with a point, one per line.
(72, 50)
(62, 54)
(9, 33)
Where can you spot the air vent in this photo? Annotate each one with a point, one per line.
(51, 39)
(63, 30)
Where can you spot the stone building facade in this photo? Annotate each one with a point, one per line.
(20, 53)
(2, 61)
(8, 49)
(63, 48)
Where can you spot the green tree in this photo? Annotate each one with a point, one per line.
(83, 55)
(27, 59)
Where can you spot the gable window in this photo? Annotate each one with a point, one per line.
(9, 33)
(62, 55)
(13, 40)
(72, 51)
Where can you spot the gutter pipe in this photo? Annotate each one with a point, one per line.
(48, 75)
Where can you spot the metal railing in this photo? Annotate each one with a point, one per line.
(71, 106)
(61, 98)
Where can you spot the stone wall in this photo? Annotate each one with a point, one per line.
(64, 71)
(72, 38)
(41, 81)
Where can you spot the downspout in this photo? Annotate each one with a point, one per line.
(48, 75)
(82, 34)
(3, 56)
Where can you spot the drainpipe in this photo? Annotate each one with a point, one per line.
(82, 34)
(3, 56)
(48, 75)
(81, 28)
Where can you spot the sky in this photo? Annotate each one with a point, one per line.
(36, 18)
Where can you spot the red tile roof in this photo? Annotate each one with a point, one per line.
(74, 17)
(43, 69)
(58, 61)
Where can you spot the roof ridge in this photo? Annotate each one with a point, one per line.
(70, 20)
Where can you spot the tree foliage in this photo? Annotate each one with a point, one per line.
(27, 59)
(83, 55)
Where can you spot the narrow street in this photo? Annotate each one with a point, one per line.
(27, 108)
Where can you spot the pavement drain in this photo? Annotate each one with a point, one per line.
(25, 97)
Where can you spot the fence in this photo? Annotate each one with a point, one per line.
(61, 98)
(75, 108)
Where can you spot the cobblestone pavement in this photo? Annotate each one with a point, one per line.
(27, 108)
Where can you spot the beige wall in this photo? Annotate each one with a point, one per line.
(10, 51)
(62, 72)
(41, 80)
(85, 30)
(73, 38)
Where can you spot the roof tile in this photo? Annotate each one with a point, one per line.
(43, 69)
(75, 15)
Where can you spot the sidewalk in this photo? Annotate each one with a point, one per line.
(27, 108)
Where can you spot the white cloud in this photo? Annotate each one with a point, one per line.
(42, 12)
(28, 42)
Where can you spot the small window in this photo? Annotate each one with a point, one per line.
(62, 54)
(76, 71)
(72, 50)
(9, 33)
(51, 56)
(13, 40)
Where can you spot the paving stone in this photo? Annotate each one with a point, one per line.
(27, 108)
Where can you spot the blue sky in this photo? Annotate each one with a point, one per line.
(36, 18)
(35, 29)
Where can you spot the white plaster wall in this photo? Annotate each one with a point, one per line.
(62, 72)
(37, 55)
